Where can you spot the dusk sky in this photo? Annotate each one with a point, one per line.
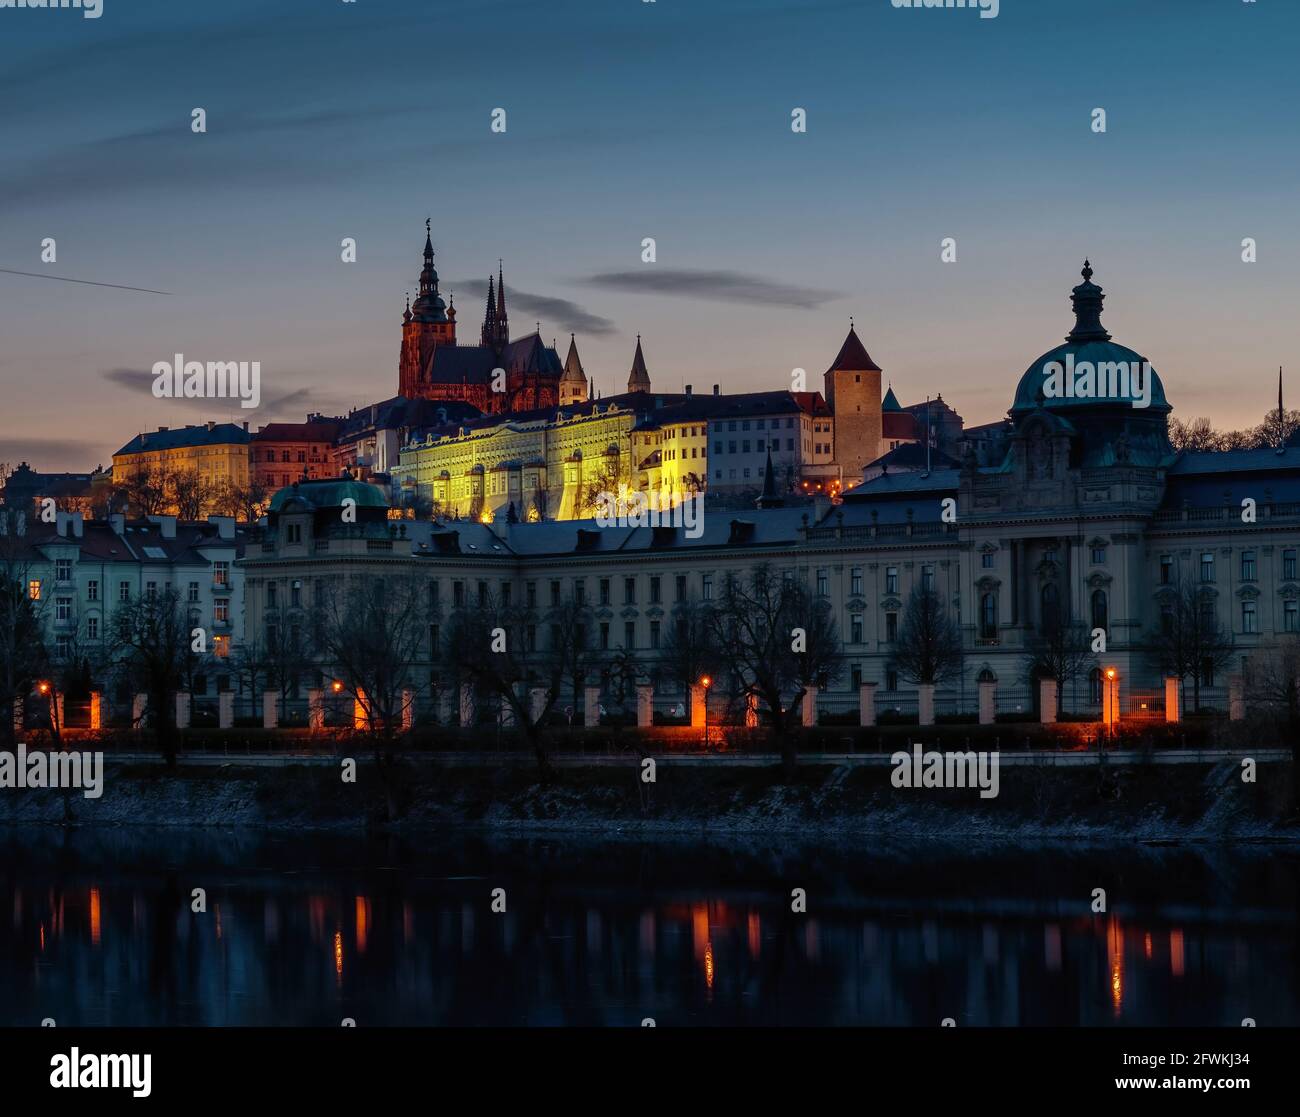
(628, 120)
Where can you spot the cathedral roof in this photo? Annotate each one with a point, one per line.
(473, 364)
(853, 356)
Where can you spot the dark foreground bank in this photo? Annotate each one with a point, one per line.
(1194, 801)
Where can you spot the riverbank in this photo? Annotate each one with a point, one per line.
(1188, 802)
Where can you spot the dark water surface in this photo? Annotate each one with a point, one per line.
(96, 928)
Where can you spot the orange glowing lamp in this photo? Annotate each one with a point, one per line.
(336, 686)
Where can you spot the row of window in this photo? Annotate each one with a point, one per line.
(1249, 566)
(760, 446)
(759, 424)
(220, 579)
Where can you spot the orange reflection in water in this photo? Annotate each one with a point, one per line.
(1115, 962)
(94, 917)
(1176, 960)
(363, 922)
(1146, 945)
(755, 934)
(338, 954)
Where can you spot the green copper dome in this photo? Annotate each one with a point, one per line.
(330, 494)
(1103, 372)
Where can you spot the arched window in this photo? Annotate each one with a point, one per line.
(1094, 686)
(1099, 612)
(1051, 606)
(989, 616)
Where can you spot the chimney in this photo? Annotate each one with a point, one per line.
(161, 429)
(166, 525)
(69, 524)
(688, 390)
(117, 521)
(225, 526)
(245, 425)
(212, 425)
(715, 390)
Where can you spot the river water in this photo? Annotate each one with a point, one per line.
(97, 928)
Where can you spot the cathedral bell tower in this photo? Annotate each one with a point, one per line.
(425, 325)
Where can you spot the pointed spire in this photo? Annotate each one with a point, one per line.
(501, 295)
(1087, 298)
(428, 306)
(639, 378)
(770, 498)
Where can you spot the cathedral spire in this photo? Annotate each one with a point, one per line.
(639, 378)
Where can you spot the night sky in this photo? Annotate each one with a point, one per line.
(628, 120)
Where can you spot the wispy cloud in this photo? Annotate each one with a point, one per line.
(549, 311)
(42, 451)
(287, 403)
(718, 286)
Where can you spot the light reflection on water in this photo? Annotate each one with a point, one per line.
(311, 930)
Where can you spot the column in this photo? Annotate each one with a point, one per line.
(988, 701)
(699, 707)
(1047, 701)
(867, 703)
(226, 709)
(591, 706)
(1236, 698)
(138, 708)
(536, 703)
(925, 703)
(360, 719)
(645, 706)
(1110, 699)
(808, 707)
(270, 710)
(183, 704)
(316, 709)
(1173, 699)
(466, 706)
(408, 709)
(96, 709)
(751, 710)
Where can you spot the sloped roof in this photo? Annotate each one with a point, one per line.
(218, 434)
(853, 356)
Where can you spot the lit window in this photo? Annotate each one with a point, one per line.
(34, 590)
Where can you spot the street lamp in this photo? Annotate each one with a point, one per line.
(706, 682)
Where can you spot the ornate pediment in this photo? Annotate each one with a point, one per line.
(1290, 591)
(987, 583)
(855, 605)
(1097, 541)
(629, 613)
(1098, 580)
(1248, 593)
(891, 603)
(988, 547)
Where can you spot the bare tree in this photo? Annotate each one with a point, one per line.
(23, 653)
(150, 639)
(495, 646)
(777, 638)
(372, 628)
(928, 647)
(144, 490)
(1273, 686)
(245, 502)
(189, 493)
(1060, 650)
(1191, 643)
(690, 649)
